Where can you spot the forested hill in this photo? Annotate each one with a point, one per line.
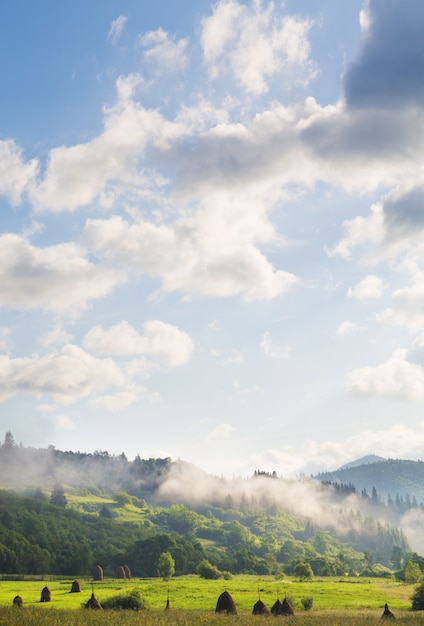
(262, 524)
(390, 478)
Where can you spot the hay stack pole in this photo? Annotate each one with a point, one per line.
(259, 608)
(275, 609)
(168, 605)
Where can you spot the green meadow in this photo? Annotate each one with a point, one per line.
(336, 601)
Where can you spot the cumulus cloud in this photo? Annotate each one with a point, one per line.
(254, 43)
(407, 305)
(58, 277)
(397, 378)
(166, 342)
(369, 287)
(15, 174)
(107, 166)
(163, 52)
(391, 64)
(67, 375)
(211, 252)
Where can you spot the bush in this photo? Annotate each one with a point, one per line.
(307, 603)
(303, 571)
(418, 598)
(132, 601)
(208, 571)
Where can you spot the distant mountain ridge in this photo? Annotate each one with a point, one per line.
(390, 477)
(364, 460)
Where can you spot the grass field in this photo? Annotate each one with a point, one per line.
(335, 601)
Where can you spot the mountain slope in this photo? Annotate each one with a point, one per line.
(390, 478)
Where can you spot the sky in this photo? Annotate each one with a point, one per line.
(212, 230)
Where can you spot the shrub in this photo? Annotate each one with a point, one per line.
(303, 571)
(132, 601)
(412, 573)
(208, 571)
(307, 603)
(418, 598)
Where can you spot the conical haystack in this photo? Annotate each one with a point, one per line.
(225, 604)
(120, 572)
(387, 614)
(46, 595)
(259, 608)
(98, 573)
(75, 587)
(285, 608)
(275, 609)
(17, 601)
(127, 572)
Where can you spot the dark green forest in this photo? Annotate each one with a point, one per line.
(123, 519)
(396, 481)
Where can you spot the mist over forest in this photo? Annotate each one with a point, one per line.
(336, 507)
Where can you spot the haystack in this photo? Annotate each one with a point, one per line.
(75, 587)
(225, 604)
(285, 608)
(93, 603)
(46, 595)
(127, 571)
(120, 572)
(98, 573)
(387, 614)
(275, 609)
(259, 608)
(17, 601)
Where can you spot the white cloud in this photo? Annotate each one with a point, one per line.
(163, 341)
(395, 441)
(256, 44)
(369, 287)
(212, 252)
(15, 175)
(272, 350)
(5, 339)
(107, 166)
(163, 52)
(116, 28)
(64, 422)
(222, 432)
(348, 328)
(407, 305)
(115, 402)
(397, 378)
(66, 375)
(57, 336)
(59, 277)
(234, 358)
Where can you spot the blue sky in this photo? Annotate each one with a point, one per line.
(211, 242)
